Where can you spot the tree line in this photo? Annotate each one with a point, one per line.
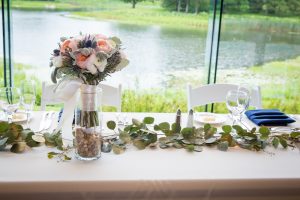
(267, 7)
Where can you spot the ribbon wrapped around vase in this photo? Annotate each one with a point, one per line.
(66, 92)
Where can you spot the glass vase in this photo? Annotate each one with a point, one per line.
(88, 123)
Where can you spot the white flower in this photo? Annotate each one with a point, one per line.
(100, 64)
(91, 69)
(112, 44)
(57, 61)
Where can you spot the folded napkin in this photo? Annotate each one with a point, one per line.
(268, 117)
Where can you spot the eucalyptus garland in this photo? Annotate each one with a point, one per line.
(143, 134)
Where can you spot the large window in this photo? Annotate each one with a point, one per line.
(260, 45)
(163, 39)
(170, 43)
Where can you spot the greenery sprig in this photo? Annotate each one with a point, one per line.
(194, 139)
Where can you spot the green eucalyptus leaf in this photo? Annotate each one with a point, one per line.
(253, 130)
(118, 149)
(227, 137)
(3, 127)
(140, 144)
(125, 137)
(163, 140)
(148, 120)
(66, 158)
(295, 135)
(190, 147)
(137, 123)
(152, 138)
(52, 154)
(283, 142)
(239, 130)
(275, 142)
(59, 143)
(30, 141)
(210, 132)
(207, 127)
(164, 126)
(187, 133)
(127, 128)
(265, 132)
(116, 40)
(156, 128)
(199, 132)
(226, 129)
(111, 125)
(223, 146)
(18, 147)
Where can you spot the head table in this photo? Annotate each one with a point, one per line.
(152, 173)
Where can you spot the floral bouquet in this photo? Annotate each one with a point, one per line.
(88, 57)
(83, 62)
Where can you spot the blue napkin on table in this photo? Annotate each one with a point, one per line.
(268, 117)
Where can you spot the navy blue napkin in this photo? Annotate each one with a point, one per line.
(268, 117)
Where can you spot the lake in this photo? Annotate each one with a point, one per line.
(153, 51)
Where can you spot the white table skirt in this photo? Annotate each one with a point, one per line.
(152, 173)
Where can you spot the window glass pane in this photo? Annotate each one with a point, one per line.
(260, 45)
(163, 39)
(1, 51)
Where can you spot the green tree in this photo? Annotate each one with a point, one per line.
(278, 7)
(294, 7)
(134, 2)
(236, 5)
(256, 6)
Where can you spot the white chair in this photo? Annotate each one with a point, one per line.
(111, 96)
(216, 93)
(48, 96)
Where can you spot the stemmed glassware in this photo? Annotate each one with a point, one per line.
(28, 96)
(243, 87)
(9, 101)
(237, 102)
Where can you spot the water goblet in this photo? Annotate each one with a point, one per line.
(28, 96)
(9, 101)
(247, 89)
(236, 102)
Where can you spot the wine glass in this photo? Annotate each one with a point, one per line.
(9, 101)
(28, 95)
(247, 89)
(236, 102)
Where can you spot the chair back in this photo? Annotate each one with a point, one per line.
(111, 96)
(48, 97)
(216, 93)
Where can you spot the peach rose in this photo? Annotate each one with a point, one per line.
(70, 44)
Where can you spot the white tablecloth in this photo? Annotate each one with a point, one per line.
(152, 173)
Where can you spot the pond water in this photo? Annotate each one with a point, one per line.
(153, 51)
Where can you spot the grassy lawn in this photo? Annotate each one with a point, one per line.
(280, 83)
